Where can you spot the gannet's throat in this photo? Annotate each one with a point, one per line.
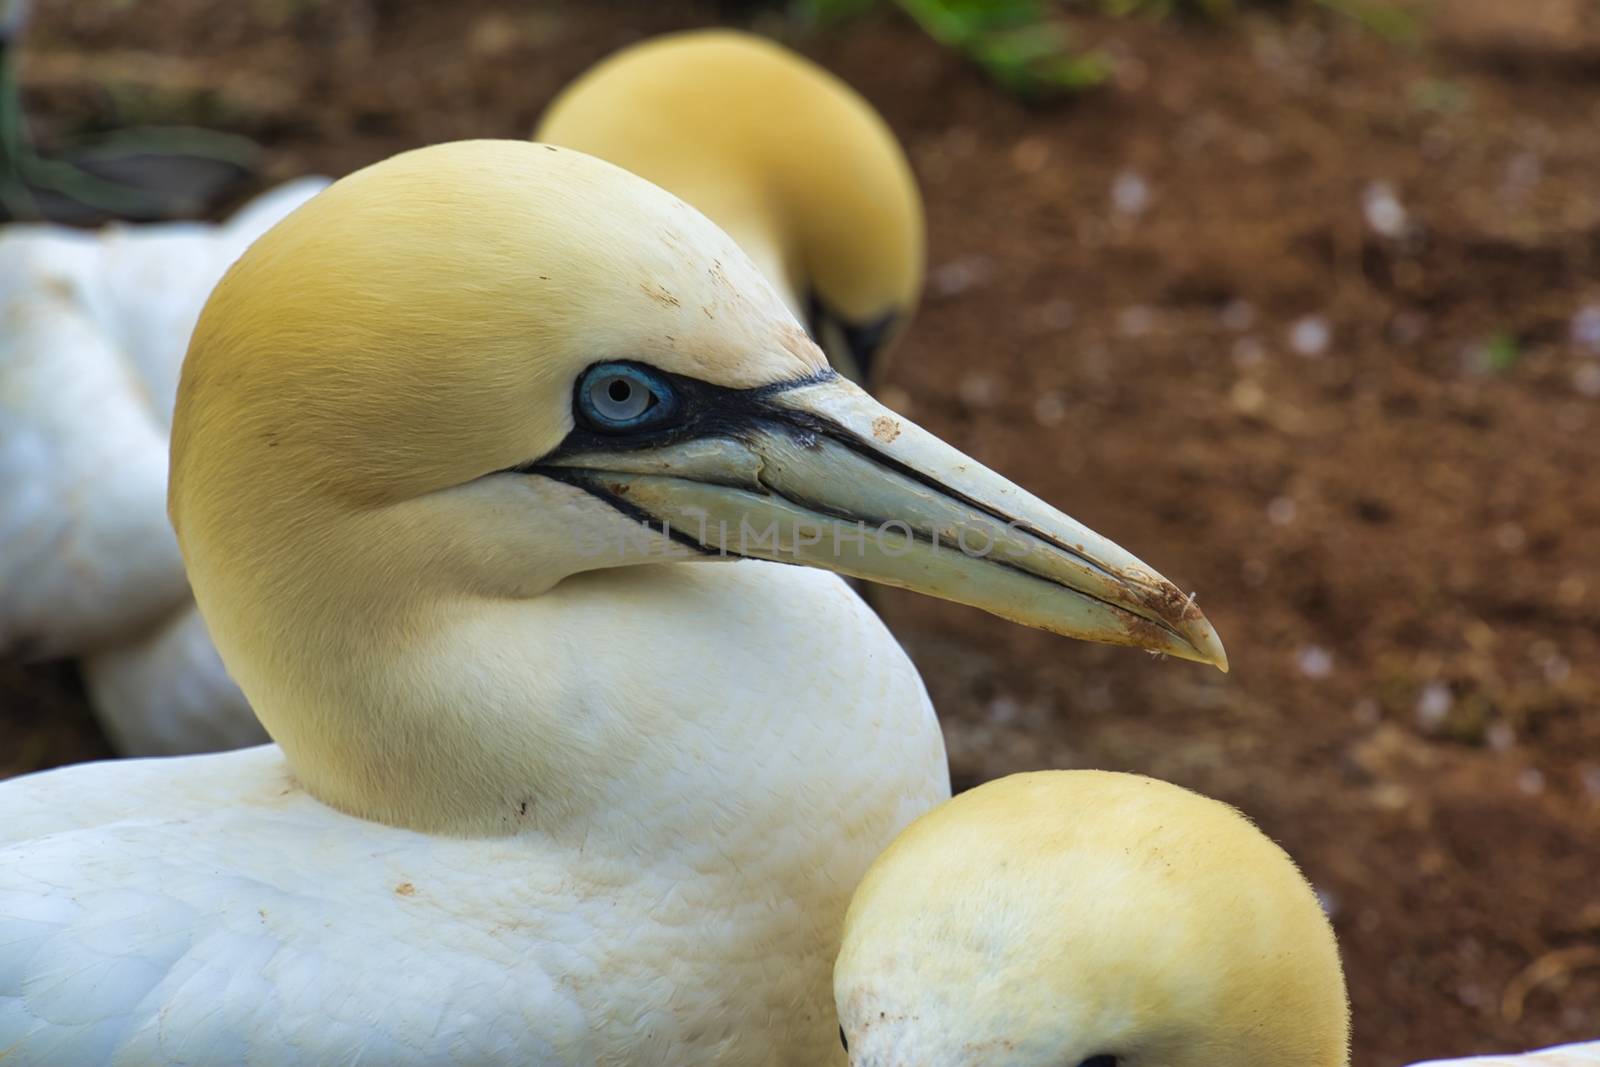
(813, 471)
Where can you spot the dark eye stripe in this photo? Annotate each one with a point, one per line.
(686, 408)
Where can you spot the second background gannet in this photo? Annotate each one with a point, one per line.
(1088, 919)
(462, 450)
(1097, 919)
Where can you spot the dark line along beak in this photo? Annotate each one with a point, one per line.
(818, 473)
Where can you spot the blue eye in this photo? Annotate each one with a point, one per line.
(622, 396)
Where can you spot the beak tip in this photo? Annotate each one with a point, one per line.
(1203, 636)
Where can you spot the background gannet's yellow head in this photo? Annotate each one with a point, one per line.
(781, 154)
(1069, 918)
(456, 378)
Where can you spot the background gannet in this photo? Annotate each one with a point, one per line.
(543, 790)
(92, 331)
(824, 200)
(786, 158)
(1088, 919)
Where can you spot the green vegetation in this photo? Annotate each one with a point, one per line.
(25, 173)
(1439, 95)
(1014, 41)
(1501, 352)
(1382, 17)
(1024, 49)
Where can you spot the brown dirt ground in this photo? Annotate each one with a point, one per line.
(1394, 534)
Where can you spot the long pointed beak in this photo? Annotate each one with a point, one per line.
(820, 474)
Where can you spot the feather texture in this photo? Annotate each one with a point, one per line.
(93, 328)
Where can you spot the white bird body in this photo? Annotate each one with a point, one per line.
(1583, 1054)
(660, 926)
(93, 327)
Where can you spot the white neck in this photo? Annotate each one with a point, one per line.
(638, 699)
(735, 741)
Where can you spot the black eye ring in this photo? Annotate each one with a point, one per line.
(621, 397)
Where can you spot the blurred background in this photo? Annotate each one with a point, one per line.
(1299, 301)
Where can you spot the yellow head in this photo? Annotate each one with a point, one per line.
(1069, 918)
(461, 376)
(780, 154)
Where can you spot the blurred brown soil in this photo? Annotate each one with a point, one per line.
(1290, 311)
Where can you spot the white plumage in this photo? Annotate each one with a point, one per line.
(207, 910)
(1584, 1054)
(93, 327)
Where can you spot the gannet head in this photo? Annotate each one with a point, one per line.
(1088, 919)
(779, 152)
(510, 357)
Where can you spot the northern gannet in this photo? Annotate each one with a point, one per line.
(785, 157)
(459, 446)
(93, 326)
(1088, 919)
